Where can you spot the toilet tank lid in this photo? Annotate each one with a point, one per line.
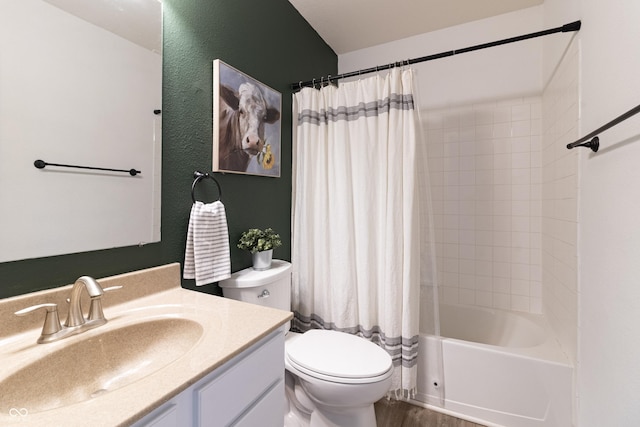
(249, 277)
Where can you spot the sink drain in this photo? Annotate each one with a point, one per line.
(99, 392)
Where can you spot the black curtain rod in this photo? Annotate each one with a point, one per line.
(573, 26)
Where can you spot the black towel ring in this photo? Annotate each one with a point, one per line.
(198, 176)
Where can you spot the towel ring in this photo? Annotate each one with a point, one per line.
(199, 176)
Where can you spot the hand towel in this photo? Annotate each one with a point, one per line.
(206, 257)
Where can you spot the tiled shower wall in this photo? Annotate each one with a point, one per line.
(560, 200)
(485, 171)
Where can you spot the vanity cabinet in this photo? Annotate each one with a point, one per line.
(246, 391)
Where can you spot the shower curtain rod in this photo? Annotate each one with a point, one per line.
(573, 26)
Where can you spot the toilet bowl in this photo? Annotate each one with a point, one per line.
(332, 379)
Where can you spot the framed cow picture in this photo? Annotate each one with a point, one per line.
(246, 123)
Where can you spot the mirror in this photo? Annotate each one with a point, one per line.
(80, 84)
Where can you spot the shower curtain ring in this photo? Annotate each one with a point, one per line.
(300, 85)
(329, 80)
(314, 83)
(321, 80)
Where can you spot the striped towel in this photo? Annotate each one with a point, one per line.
(206, 257)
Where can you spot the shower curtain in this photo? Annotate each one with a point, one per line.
(356, 215)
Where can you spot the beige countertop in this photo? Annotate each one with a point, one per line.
(227, 328)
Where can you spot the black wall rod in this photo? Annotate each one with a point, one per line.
(41, 164)
(594, 143)
(573, 26)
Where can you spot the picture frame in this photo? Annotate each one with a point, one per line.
(247, 133)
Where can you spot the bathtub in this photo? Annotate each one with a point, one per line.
(500, 368)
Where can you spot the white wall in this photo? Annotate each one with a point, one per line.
(486, 75)
(609, 208)
(608, 294)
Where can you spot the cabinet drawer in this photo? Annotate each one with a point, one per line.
(268, 411)
(219, 401)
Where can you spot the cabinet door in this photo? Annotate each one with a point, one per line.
(176, 412)
(268, 411)
(221, 400)
(168, 417)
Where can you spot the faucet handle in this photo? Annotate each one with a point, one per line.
(95, 309)
(51, 319)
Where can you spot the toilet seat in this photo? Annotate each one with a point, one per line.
(338, 357)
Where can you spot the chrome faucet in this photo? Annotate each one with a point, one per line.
(76, 322)
(75, 317)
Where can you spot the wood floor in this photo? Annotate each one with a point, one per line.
(394, 413)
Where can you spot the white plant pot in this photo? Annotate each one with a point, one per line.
(262, 260)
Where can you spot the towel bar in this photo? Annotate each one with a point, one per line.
(198, 176)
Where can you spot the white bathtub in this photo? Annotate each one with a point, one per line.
(500, 368)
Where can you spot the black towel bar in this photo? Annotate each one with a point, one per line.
(594, 143)
(41, 164)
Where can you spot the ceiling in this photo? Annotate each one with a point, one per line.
(137, 21)
(348, 25)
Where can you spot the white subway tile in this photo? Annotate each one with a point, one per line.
(467, 237)
(467, 281)
(452, 137)
(521, 128)
(450, 296)
(501, 276)
(484, 283)
(502, 130)
(521, 112)
(502, 161)
(484, 132)
(521, 160)
(467, 297)
(502, 254)
(520, 287)
(502, 114)
(467, 163)
(535, 305)
(521, 255)
(450, 250)
(484, 299)
(502, 301)
(520, 303)
(467, 266)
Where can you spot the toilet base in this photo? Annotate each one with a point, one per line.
(301, 411)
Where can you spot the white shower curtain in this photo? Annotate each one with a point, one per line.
(356, 219)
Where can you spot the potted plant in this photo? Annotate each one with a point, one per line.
(261, 244)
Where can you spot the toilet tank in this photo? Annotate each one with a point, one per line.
(270, 288)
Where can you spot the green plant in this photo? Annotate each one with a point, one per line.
(256, 240)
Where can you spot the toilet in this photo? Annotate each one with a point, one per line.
(332, 379)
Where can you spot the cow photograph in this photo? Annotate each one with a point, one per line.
(246, 123)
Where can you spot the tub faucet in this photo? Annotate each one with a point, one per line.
(75, 317)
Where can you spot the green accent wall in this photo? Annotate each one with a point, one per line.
(266, 39)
